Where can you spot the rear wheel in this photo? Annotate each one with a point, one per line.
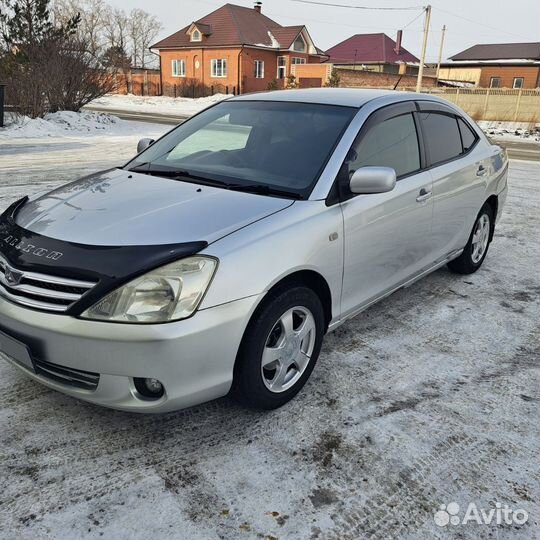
(477, 247)
(280, 348)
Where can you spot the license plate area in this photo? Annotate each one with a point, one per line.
(16, 350)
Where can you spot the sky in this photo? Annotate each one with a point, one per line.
(467, 21)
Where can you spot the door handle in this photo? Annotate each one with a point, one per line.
(424, 195)
(481, 171)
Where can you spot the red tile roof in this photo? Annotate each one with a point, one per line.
(232, 25)
(369, 48)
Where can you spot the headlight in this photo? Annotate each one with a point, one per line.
(168, 293)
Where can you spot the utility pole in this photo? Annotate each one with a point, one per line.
(440, 51)
(424, 47)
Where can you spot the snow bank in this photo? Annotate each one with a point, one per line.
(511, 130)
(67, 124)
(156, 104)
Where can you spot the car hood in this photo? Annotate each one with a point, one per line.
(119, 207)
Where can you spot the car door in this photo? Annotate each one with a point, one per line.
(386, 235)
(459, 177)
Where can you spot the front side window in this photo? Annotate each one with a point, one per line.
(179, 68)
(518, 82)
(281, 67)
(495, 82)
(259, 69)
(391, 143)
(442, 136)
(271, 145)
(219, 67)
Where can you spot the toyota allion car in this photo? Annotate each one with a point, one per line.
(215, 261)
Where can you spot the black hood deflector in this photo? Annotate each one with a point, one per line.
(110, 266)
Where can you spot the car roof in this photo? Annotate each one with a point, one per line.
(348, 97)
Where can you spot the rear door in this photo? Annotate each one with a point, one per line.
(459, 177)
(386, 235)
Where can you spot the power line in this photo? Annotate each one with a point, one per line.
(411, 21)
(476, 22)
(358, 7)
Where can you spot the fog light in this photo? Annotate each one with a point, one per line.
(153, 386)
(149, 388)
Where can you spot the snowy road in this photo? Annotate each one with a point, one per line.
(428, 398)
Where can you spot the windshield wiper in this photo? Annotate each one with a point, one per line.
(263, 189)
(177, 173)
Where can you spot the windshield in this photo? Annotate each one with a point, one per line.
(278, 147)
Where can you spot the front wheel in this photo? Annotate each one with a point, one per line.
(477, 247)
(280, 348)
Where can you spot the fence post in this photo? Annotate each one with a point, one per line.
(175, 90)
(2, 87)
(457, 95)
(517, 104)
(486, 104)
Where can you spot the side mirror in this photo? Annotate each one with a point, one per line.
(373, 180)
(143, 144)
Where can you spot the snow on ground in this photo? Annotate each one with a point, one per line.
(430, 397)
(68, 124)
(156, 104)
(511, 130)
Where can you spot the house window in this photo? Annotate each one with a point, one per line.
(297, 60)
(299, 44)
(518, 82)
(495, 82)
(281, 67)
(259, 69)
(196, 35)
(219, 68)
(179, 68)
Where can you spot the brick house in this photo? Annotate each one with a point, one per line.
(233, 49)
(374, 52)
(497, 65)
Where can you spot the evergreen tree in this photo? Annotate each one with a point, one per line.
(334, 79)
(28, 23)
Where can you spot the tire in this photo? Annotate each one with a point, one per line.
(268, 341)
(472, 257)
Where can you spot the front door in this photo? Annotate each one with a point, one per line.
(387, 236)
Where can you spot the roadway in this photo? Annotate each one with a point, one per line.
(518, 149)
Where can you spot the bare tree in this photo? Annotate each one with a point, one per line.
(47, 66)
(116, 28)
(143, 29)
(74, 77)
(107, 29)
(91, 27)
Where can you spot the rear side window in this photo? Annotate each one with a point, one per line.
(392, 143)
(468, 136)
(442, 136)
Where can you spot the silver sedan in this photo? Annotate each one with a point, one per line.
(216, 260)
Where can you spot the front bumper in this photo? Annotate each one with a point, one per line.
(193, 358)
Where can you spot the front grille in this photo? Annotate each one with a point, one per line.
(66, 375)
(40, 291)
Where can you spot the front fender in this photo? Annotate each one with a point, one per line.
(305, 236)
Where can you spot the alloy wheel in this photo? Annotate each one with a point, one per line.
(480, 238)
(288, 349)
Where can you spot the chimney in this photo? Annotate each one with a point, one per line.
(258, 6)
(397, 50)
